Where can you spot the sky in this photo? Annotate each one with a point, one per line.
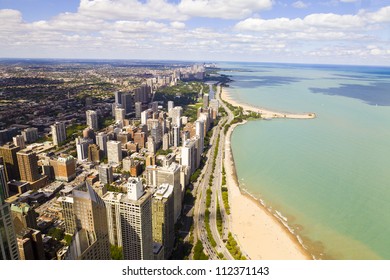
(307, 31)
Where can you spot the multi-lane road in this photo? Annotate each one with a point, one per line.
(200, 189)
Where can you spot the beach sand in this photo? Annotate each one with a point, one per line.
(259, 234)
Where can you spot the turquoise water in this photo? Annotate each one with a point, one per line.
(330, 177)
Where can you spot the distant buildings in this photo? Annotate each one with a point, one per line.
(30, 134)
(58, 132)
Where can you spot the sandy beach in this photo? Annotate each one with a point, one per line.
(259, 234)
(265, 113)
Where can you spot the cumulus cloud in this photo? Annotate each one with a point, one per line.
(227, 9)
(300, 5)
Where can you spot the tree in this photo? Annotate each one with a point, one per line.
(116, 252)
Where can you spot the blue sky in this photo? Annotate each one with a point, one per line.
(324, 31)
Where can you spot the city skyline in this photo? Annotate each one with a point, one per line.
(326, 32)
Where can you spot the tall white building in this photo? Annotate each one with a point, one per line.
(101, 141)
(82, 148)
(176, 136)
(58, 132)
(114, 152)
(176, 114)
(92, 120)
(170, 106)
(120, 114)
(130, 220)
(138, 109)
(199, 130)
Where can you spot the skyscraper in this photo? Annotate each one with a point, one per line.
(114, 152)
(171, 104)
(163, 218)
(105, 174)
(130, 220)
(58, 132)
(90, 242)
(82, 148)
(3, 183)
(138, 109)
(127, 102)
(30, 134)
(92, 120)
(119, 114)
(8, 244)
(28, 165)
(19, 141)
(64, 168)
(101, 141)
(8, 152)
(199, 127)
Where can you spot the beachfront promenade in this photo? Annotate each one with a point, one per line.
(259, 234)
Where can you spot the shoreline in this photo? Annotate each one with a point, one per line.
(260, 234)
(265, 113)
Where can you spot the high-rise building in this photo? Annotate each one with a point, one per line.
(106, 175)
(64, 168)
(165, 145)
(90, 242)
(138, 109)
(176, 114)
(8, 244)
(67, 203)
(171, 175)
(130, 220)
(205, 101)
(23, 215)
(4, 192)
(101, 141)
(171, 104)
(30, 244)
(82, 148)
(94, 153)
(114, 152)
(8, 152)
(58, 132)
(19, 141)
(127, 102)
(154, 106)
(163, 218)
(199, 127)
(140, 139)
(92, 119)
(30, 134)
(118, 97)
(28, 165)
(119, 114)
(176, 135)
(151, 145)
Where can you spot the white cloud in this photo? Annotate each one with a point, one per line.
(300, 5)
(130, 9)
(178, 25)
(349, 1)
(226, 9)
